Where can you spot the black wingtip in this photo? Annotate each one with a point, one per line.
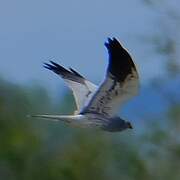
(55, 64)
(47, 66)
(108, 42)
(112, 43)
(120, 62)
(76, 73)
(64, 73)
(58, 69)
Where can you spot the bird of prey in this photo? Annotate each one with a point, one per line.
(97, 106)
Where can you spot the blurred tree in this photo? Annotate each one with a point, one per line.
(38, 149)
(162, 143)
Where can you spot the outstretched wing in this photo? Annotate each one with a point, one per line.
(120, 84)
(81, 87)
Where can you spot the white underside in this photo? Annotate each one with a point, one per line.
(73, 120)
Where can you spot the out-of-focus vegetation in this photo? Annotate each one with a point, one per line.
(38, 149)
(34, 149)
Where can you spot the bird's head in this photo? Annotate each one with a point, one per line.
(117, 124)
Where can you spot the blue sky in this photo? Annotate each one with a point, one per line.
(72, 33)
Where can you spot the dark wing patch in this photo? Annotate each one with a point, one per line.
(121, 82)
(120, 62)
(64, 73)
(76, 73)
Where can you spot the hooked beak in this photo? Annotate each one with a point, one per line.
(130, 126)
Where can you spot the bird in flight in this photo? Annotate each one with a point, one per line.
(97, 106)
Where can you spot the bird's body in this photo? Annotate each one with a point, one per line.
(90, 120)
(97, 107)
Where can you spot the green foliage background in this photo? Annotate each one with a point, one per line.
(38, 149)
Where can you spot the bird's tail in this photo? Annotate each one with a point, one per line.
(65, 118)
